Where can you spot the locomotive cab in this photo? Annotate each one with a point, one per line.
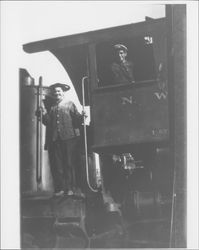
(128, 142)
(126, 118)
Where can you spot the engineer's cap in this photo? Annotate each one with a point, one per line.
(64, 87)
(120, 47)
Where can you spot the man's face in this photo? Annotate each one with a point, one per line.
(122, 55)
(58, 93)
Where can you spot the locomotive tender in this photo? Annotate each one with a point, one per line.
(135, 155)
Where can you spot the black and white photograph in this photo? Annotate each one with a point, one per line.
(99, 125)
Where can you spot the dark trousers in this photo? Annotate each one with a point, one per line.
(63, 155)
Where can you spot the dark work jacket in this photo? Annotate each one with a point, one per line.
(63, 121)
(123, 72)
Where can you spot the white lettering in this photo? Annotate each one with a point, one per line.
(161, 95)
(148, 39)
(160, 132)
(127, 100)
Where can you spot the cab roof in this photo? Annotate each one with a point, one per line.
(91, 36)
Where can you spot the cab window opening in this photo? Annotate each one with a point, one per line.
(138, 58)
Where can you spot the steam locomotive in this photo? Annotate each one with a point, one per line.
(133, 151)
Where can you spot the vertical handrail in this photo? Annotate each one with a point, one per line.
(85, 135)
(39, 135)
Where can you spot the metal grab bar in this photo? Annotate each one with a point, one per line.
(85, 135)
(39, 135)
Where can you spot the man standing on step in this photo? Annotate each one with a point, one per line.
(62, 137)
